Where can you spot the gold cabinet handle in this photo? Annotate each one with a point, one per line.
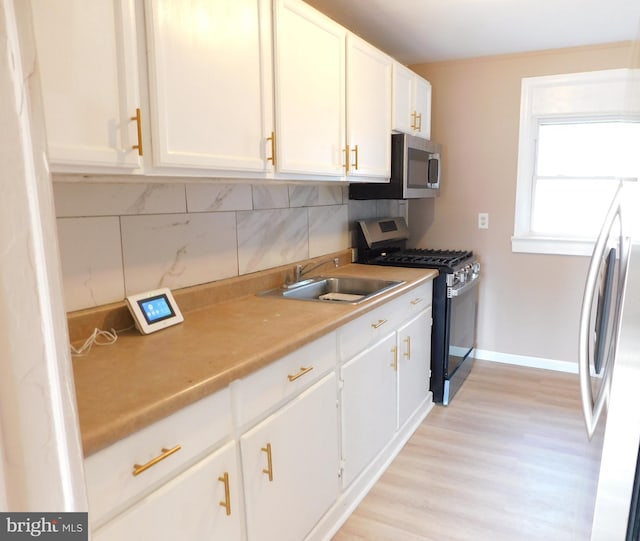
(227, 499)
(378, 323)
(346, 159)
(394, 364)
(407, 353)
(417, 300)
(355, 164)
(302, 372)
(138, 469)
(272, 158)
(419, 128)
(269, 469)
(414, 121)
(138, 119)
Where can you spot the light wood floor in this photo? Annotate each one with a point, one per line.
(508, 460)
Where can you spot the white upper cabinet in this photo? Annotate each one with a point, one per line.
(411, 102)
(227, 88)
(88, 70)
(369, 82)
(210, 83)
(309, 90)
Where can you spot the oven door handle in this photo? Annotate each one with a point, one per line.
(461, 290)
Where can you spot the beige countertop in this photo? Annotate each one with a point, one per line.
(140, 379)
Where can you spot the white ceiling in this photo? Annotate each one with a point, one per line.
(415, 31)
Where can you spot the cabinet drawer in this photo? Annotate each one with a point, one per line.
(191, 506)
(111, 483)
(256, 395)
(376, 324)
(418, 299)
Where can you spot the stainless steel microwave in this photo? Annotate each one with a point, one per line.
(415, 171)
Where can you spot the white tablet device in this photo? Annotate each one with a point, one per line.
(154, 310)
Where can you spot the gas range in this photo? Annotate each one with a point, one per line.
(455, 297)
(383, 242)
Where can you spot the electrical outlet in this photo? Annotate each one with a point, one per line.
(483, 220)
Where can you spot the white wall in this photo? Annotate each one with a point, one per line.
(40, 440)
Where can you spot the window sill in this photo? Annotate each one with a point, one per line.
(530, 244)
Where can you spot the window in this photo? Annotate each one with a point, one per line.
(577, 170)
(576, 143)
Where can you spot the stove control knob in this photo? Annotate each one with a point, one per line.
(476, 268)
(462, 276)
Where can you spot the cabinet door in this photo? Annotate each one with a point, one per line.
(194, 505)
(369, 74)
(414, 360)
(310, 90)
(423, 107)
(290, 465)
(88, 72)
(403, 117)
(210, 83)
(368, 405)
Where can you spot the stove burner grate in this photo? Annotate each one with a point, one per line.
(425, 257)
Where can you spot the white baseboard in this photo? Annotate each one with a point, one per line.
(525, 360)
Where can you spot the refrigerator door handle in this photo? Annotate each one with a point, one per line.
(592, 409)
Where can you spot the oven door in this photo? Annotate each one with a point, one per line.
(462, 308)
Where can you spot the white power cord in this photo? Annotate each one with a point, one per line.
(98, 337)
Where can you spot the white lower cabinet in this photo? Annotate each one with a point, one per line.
(125, 472)
(290, 465)
(262, 459)
(384, 379)
(414, 359)
(204, 502)
(368, 406)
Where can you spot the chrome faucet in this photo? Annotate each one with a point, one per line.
(300, 270)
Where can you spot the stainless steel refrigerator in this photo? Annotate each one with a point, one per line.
(610, 373)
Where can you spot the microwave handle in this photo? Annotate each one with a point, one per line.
(433, 171)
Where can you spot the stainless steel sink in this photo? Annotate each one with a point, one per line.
(343, 289)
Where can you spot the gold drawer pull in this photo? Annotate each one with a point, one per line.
(269, 469)
(414, 121)
(138, 119)
(302, 372)
(419, 127)
(138, 469)
(227, 499)
(407, 354)
(346, 159)
(417, 300)
(394, 364)
(378, 323)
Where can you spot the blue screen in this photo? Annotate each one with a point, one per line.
(156, 309)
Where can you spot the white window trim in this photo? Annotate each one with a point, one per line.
(600, 94)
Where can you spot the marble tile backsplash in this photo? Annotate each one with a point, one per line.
(118, 239)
